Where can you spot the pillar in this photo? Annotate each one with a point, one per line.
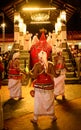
(63, 35)
(16, 27)
(54, 42)
(21, 40)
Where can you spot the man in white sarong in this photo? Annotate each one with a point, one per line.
(14, 77)
(43, 73)
(60, 67)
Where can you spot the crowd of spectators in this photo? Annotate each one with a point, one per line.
(76, 56)
(5, 60)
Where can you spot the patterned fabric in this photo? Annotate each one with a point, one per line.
(43, 79)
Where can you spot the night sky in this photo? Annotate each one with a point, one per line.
(74, 23)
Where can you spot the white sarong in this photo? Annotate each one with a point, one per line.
(59, 85)
(15, 88)
(44, 102)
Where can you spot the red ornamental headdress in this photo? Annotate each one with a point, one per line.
(42, 45)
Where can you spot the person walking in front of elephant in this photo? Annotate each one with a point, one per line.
(43, 73)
